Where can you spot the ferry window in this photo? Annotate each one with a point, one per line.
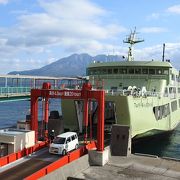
(120, 84)
(131, 71)
(94, 71)
(177, 78)
(165, 71)
(161, 111)
(178, 90)
(98, 71)
(151, 71)
(144, 71)
(172, 77)
(109, 71)
(158, 71)
(89, 72)
(157, 112)
(104, 71)
(174, 106)
(138, 71)
(115, 71)
(171, 90)
(123, 71)
(165, 110)
(166, 90)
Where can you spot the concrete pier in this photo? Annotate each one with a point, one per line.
(98, 158)
(133, 167)
(120, 167)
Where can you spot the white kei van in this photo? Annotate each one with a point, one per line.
(64, 143)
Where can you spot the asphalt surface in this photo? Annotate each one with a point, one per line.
(133, 167)
(27, 166)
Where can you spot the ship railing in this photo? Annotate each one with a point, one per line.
(128, 76)
(139, 93)
(13, 91)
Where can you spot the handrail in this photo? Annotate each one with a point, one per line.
(62, 161)
(140, 93)
(10, 91)
(130, 76)
(17, 155)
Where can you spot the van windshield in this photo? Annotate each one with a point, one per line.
(59, 140)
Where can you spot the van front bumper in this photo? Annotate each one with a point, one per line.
(55, 150)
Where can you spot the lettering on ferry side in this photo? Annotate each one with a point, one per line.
(140, 104)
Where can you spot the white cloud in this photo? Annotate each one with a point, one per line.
(153, 30)
(153, 16)
(172, 52)
(72, 26)
(61, 20)
(74, 9)
(19, 64)
(174, 9)
(164, 13)
(4, 1)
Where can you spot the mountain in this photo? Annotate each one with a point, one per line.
(69, 66)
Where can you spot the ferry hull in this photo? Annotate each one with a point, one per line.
(136, 112)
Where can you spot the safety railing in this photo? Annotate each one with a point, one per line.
(62, 161)
(17, 155)
(140, 93)
(14, 91)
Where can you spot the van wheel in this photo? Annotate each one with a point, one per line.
(76, 147)
(64, 152)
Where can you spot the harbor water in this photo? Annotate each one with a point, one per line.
(166, 146)
(11, 112)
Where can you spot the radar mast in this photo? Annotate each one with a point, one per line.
(131, 39)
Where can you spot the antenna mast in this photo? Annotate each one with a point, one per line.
(164, 46)
(131, 39)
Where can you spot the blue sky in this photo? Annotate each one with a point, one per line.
(34, 33)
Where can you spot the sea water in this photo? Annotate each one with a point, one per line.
(166, 146)
(11, 112)
(163, 146)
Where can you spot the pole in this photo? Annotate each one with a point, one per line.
(85, 118)
(163, 52)
(34, 115)
(100, 125)
(46, 117)
(90, 120)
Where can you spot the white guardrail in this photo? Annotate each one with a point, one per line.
(14, 91)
